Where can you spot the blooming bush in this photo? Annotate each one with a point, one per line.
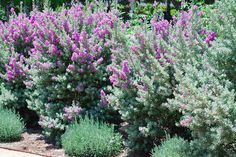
(144, 74)
(17, 35)
(69, 58)
(142, 79)
(204, 95)
(58, 60)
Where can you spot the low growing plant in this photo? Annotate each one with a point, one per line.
(91, 138)
(11, 126)
(176, 147)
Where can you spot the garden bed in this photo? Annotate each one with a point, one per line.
(33, 142)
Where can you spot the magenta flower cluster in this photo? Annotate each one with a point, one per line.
(72, 112)
(61, 55)
(120, 77)
(14, 69)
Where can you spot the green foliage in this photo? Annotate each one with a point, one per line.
(11, 126)
(172, 147)
(11, 93)
(207, 103)
(146, 11)
(142, 83)
(2, 13)
(222, 53)
(204, 94)
(90, 138)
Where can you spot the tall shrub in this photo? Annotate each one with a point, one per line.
(144, 74)
(142, 79)
(68, 62)
(204, 94)
(57, 63)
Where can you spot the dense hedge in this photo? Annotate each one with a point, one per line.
(160, 77)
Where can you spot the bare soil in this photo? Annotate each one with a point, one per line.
(33, 142)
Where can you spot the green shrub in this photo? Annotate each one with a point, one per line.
(143, 77)
(204, 94)
(11, 126)
(91, 138)
(172, 147)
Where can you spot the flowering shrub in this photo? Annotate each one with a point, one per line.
(204, 95)
(223, 21)
(143, 77)
(58, 60)
(142, 81)
(68, 65)
(17, 35)
(12, 90)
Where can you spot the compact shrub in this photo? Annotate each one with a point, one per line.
(91, 138)
(11, 126)
(175, 146)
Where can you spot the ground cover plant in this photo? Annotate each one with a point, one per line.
(173, 147)
(91, 138)
(11, 126)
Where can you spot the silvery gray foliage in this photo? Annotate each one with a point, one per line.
(142, 82)
(204, 95)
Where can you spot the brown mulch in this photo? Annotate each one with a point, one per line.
(33, 142)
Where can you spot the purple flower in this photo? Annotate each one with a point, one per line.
(200, 13)
(12, 10)
(161, 27)
(72, 112)
(76, 36)
(114, 79)
(211, 36)
(103, 98)
(125, 67)
(186, 122)
(74, 57)
(70, 67)
(89, 20)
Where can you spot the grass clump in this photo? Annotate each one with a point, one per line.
(172, 147)
(11, 126)
(90, 138)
